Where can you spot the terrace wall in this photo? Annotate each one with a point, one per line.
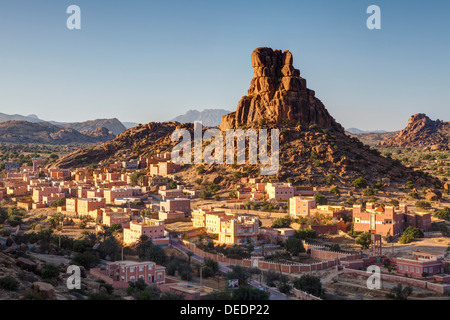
(439, 288)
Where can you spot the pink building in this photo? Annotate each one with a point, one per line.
(299, 206)
(38, 193)
(422, 263)
(153, 229)
(52, 197)
(116, 217)
(119, 193)
(280, 191)
(171, 193)
(388, 220)
(177, 204)
(119, 273)
(95, 193)
(84, 206)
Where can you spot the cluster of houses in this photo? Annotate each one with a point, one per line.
(104, 193)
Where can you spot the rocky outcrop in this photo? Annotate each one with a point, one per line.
(113, 125)
(101, 134)
(277, 95)
(208, 117)
(46, 290)
(421, 131)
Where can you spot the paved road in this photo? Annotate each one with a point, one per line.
(224, 267)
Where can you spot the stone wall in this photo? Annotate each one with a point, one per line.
(439, 288)
(335, 259)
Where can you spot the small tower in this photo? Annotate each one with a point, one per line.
(375, 244)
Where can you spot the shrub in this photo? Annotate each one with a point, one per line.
(335, 190)
(320, 199)
(423, 204)
(360, 183)
(413, 195)
(9, 283)
(50, 271)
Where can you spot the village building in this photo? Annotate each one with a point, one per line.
(152, 228)
(231, 228)
(388, 221)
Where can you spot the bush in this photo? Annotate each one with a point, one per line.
(50, 271)
(364, 240)
(320, 199)
(368, 192)
(284, 222)
(443, 214)
(306, 233)
(335, 190)
(85, 259)
(58, 203)
(413, 195)
(309, 284)
(423, 204)
(360, 183)
(9, 283)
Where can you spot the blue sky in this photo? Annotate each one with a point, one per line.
(145, 61)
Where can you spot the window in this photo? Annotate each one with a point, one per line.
(400, 267)
(425, 270)
(141, 268)
(431, 269)
(132, 279)
(417, 270)
(406, 268)
(131, 269)
(159, 275)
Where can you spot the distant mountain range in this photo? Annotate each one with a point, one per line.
(208, 117)
(358, 131)
(18, 131)
(113, 125)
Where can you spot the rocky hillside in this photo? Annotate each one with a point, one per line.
(421, 131)
(314, 148)
(208, 117)
(46, 133)
(113, 125)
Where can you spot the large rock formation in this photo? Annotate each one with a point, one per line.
(421, 131)
(277, 92)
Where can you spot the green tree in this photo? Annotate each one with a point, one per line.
(360, 183)
(309, 284)
(148, 251)
(423, 204)
(443, 214)
(245, 292)
(294, 246)
(137, 178)
(284, 222)
(320, 199)
(306, 233)
(238, 272)
(364, 240)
